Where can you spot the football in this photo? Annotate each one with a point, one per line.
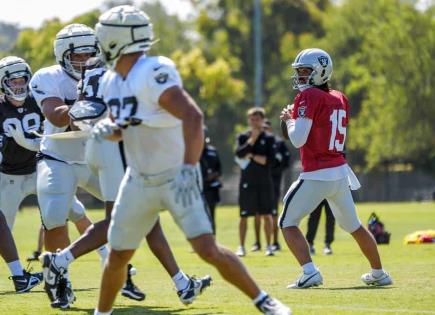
(284, 130)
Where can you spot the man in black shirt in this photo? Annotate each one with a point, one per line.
(255, 153)
(211, 172)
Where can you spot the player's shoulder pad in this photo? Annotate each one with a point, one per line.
(50, 71)
(45, 77)
(160, 61)
(30, 98)
(340, 94)
(161, 69)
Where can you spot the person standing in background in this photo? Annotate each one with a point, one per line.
(279, 165)
(256, 148)
(211, 171)
(313, 224)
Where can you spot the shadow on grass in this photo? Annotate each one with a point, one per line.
(360, 287)
(142, 309)
(42, 291)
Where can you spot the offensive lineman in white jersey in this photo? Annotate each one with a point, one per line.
(163, 139)
(107, 161)
(62, 167)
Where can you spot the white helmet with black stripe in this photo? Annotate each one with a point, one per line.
(11, 68)
(316, 59)
(123, 30)
(77, 39)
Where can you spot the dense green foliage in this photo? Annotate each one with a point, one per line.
(385, 50)
(383, 53)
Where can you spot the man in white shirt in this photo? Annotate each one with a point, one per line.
(162, 131)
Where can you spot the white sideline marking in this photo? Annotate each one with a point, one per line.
(366, 309)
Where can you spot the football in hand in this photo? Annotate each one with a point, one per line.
(284, 130)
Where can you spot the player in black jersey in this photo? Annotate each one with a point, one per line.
(15, 108)
(19, 117)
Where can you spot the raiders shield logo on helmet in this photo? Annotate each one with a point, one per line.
(323, 60)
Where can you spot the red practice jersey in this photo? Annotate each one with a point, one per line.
(329, 112)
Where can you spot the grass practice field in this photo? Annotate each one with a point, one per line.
(411, 266)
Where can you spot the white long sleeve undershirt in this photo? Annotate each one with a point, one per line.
(298, 130)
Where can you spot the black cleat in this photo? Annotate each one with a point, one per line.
(65, 294)
(27, 281)
(195, 288)
(130, 290)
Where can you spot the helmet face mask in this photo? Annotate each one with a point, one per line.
(123, 30)
(73, 40)
(15, 75)
(75, 63)
(302, 79)
(318, 61)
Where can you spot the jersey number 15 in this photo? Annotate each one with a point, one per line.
(336, 118)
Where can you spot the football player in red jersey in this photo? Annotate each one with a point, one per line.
(316, 124)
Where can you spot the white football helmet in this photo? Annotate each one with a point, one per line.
(316, 59)
(123, 30)
(13, 68)
(77, 39)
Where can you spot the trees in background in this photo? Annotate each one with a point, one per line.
(383, 52)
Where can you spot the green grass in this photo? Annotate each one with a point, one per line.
(411, 266)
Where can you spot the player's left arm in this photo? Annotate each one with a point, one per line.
(180, 104)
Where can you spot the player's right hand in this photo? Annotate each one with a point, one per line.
(185, 185)
(104, 129)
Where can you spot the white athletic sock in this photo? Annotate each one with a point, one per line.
(259, 297)
(309, 268)
(377, 272)
(64, 258)
(16, 268)
(181, 281)
(103, 251)
(97, 312)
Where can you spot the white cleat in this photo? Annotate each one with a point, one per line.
(271, 306)
(269, 251)
(369, 279)
(307, 281)
(241, 251)
(327, 251)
